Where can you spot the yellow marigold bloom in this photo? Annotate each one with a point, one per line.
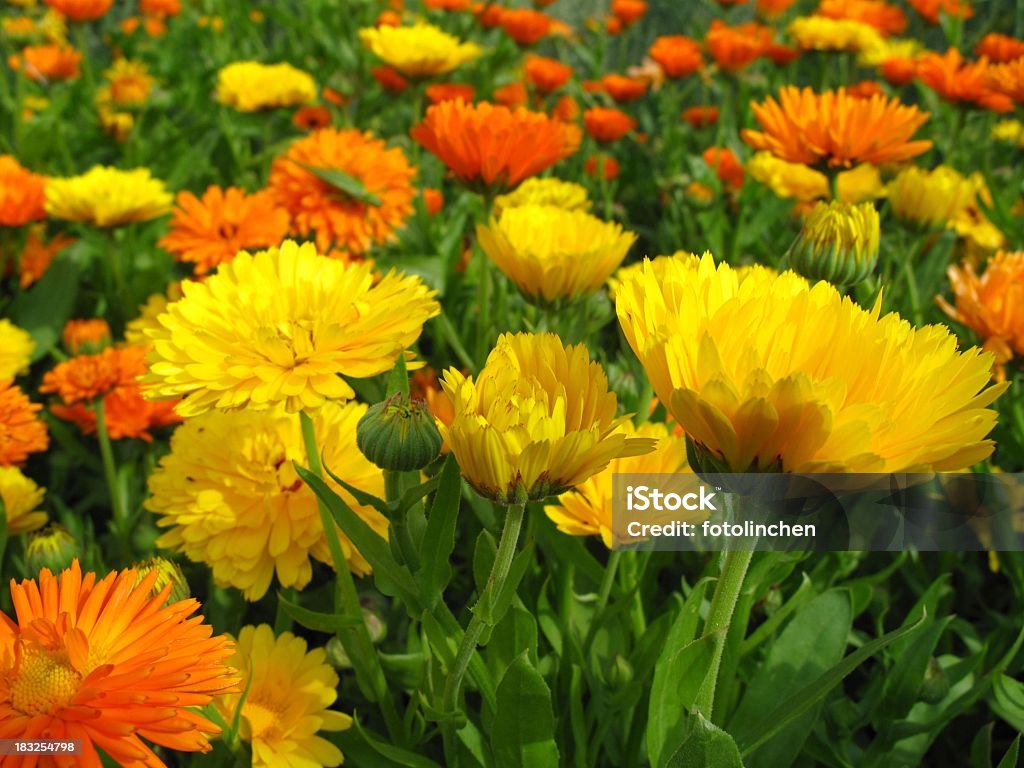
(168, 574)
(586, 510)
(53, 26)
(889, 48)
(289, 692)
(281, 327)
(793, 180)
(567, 195)
(16, 348)
(136, 331)
(230, 497)
(553, 254)
(738, 369)
(130, 83)
(115, 123)
(1009, 131)
(838, 243)
(21, 499)
(249, 86)
(420, 50)
(538, 420)
(824, 34)
(19, 28)
(108, 197)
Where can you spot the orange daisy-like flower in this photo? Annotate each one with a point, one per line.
(602, 164)
(701, 116)
(770, 9)
(211, 231)
(726, 165)
(836, 129)
(607, 124)
(512, 95)
(160, 8)
(525, 25)
(390, 79)
(38, 254)
(109, 662)
(929, 10)
(1007, 80)
(364, 212)
(899, 70)
(887, 19)
(84, 336)
(439, 92)
(546, 74)
(85, 378)
(999, 48)
(447, 5)
(53, 61)
(311, 117)
(865, 89)
(734, 48)
(81, 10)
(22, 194)
(492, 146)
(629, 11)
(961, 81)
(21, 431)
(622, 88)
(677, 55)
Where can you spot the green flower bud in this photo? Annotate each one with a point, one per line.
(621, 673)
(399, 434)
(52, 547)
(838, 243)
(169, 572)
(936, 683)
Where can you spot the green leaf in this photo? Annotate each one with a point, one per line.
(439, 537)
(1012, 756)
(981, 747)
(349, 186)
(398, 379)
(812, 642)
(43, 310)
(492, 607)
(523, 734)
(329, 623)
(398, 755)
(700, 744)
(515, 634)
(1009, 703)
(429, 269)
(903, 683)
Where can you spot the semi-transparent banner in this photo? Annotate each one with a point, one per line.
(866, 512)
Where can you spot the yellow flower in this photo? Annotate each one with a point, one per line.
(537, 421)
(793, 180)
(136, 332)
(421, 50)
(586, 510)
(289, 692)
(566, 195)
(130, 83)
(230, 497)
(281, 327)
(115, 123)
(249, 86)
(889, 48)
(108, 197)
(1009, 131)
(169, 573)
(823, 34)
(773, 373)
(838, 243)
(658, 265)
(21, 498)
(16, 348)
(930, 198)
(551, 253)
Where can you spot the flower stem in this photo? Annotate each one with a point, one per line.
(399, 523)
(121, 524)
(354, 639)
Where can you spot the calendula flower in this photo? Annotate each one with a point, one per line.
(623, 88)
(959, 81)
(929, 10)
(52, 547)
(586, 510)
(629, 11)
(390, 79)
(677, 55)
(902, 49)
(930, 198)
(525, 25)
(48, 62)
(16, 348)
(545, 74)
(821, 33)
(538, 420)
(438, 92)
(210, 231)
(160, 8)
(734, 48)
(280, 328)
(552, 254)
(101, 661)
(1007, 80)
(420, 50)
(86, 336)
(606, 124)
(802, 183)
(81, 10)
(130, 82)
(701, 116)
(887, 19)
(771, 9)
(289, 692)
(836, 129)
(511, 95)
(38, 254)
(567, 195)
(726, 165)
(21, 431)
(228, 495)
(85, 378)
(605, 165)
(136, 331)
(999, 48)
(107, 197)
(493, 146)
(1009, 131)
(351, 216)
(21, 499)
(312, 118)
(838, 243)
(249, 86)
(754, 391)
(22, 194)
(991, 305)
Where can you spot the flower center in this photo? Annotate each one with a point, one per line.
(43, 682)
(261, 718)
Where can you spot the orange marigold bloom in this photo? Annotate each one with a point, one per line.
(21, 431)
(161, 8)
(390, 79)
(388, 18)
(865, 89)
(1007, 80)
(546, 74)
(53, 61)
(929, 9)
(488, 14)
(566, 109)
(612, 25)
(991, 305)
(701, 116)
(726, 165)
(312, 117)
(492, 146)
(606, 164)
(887, 19)
(211, 231)
(81, 10)
(769, 9)
(335, 97)
(447, 5)
(629, 11)
(836, 129)
(433, 200)
(85, 336)
(22, 194)
(780, 55)
(525, 25)
(512, 95)
(734, 48)
(85, 378)
(677, 55)
(899, 71)
(623, 88)
(960, 81)
(607, 124)
(38, 254)
(109, 662)
(439, 92)
(999, 48)
(340, 219)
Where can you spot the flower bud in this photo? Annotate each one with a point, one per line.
(621, 673)
(52, 547)
(86, 337)
(399, 434)
(169, 572)
(838, 243)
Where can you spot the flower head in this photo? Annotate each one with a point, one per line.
(677, 55)
(546, 74)
(821, 33)
(802, 183)
(959, 81)
(81, 10)
(1007, 80)
(47, 62)
(249, 86)
(102, 661)
(931, 198)
(838, 243)
(21, 431)
(629, 11)
(420, 50)
(726, 165)
(16, 347)
(538, 420)
(86, 336)
(887, 19)
(21, 498)
(22, 194)
(607, 124)
(130, 83)
(243, 510)
(929, 10)
(107, 197)
(86, 378)
(280, 328)
(525, 25)
(567, 195)
(999, 48)
(700, 116)
(734, 48)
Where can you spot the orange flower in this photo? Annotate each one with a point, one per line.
(447, 5)
(898, 70)
(213, 230)
(770, 9)
(1007, 80)
(836, 129)
(629, 11)
(991, 305)
(388, 19)
(887, 19)
(609, 166)
(607, 124)
(701, 116)
(21, 431)
(109, 662)
(390, 79)
(999, 48)
(622, 88)
(612, 25)
(677, 55)
(960, 81)
(733, 48)
(566, 109)
(346, 221)
(929, 9)
(491, 146)
(780, 55)
(160, 8)
(89, 335)
(22, 194)
(439, 92)
(525, 25)
(488, 14)
(54, 61)
(333, 96)
(37, 255)
(726, 165)
(85, 378)
(81, 10)
(311, 118)
(865, 89)
(433, 200)
(546, 74)
(512, 95)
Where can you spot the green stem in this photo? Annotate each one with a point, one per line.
(399, 524)
(606, 583)
(483, 299)
(121, 523)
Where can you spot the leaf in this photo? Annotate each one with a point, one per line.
(1009, 703)
(1012, 756)
(398, 755)
(430, 269)
(329, 623)
(439, 536)
(43, 310)
(523, 734)
(348, 185)
(903, 683)
(491, 606)
(701, 744)
(398, 379)
(981, 747)
(515, 634)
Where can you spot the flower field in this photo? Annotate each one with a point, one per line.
(328, 329)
